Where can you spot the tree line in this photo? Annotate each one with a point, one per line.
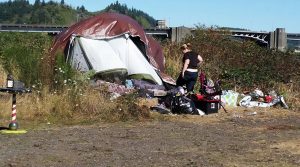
(143, 18)
(60, 13)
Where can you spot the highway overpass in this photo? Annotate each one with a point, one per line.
(277, 39)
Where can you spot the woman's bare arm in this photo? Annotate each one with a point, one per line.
(185, 66)
(200, 59)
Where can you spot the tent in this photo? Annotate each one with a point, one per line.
(113, 45)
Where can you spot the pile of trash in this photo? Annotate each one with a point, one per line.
(176, 100)
(258, 99)
(173, 100)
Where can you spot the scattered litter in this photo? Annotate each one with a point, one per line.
(252, 113)
(113, 96)
(129, 84)
(229, 97)
(161, 108)
(200, 112)
(258, 99)
(237, 116)
(177, 101)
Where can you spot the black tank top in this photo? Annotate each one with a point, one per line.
(193, 57)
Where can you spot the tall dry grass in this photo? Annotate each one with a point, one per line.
(71, 106)
(3, 76)
(173, 59)
(291, 92)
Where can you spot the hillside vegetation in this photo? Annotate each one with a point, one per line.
(241, 65)
(53, 13)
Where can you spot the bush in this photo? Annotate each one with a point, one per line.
(23, 54)
(239, 64)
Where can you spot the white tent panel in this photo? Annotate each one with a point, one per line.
(77, 58)
(133, 58)
(120, 48)
(111, 54)
(101, 55)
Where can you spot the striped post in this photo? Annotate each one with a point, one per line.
(14, 109)
(13, 124)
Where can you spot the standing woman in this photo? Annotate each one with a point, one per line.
(189, 73)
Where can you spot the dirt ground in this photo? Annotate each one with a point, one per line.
(269, 137)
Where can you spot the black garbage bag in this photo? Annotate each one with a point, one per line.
(182, 105)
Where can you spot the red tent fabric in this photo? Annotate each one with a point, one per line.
(109, 25)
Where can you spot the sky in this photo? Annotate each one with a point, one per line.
(255, 15)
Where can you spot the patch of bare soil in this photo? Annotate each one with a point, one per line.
(252, 137)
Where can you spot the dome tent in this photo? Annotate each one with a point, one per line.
(111, 44)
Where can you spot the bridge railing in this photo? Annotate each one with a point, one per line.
(31, 28)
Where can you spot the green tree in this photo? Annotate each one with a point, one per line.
(143, 19)
(37, 3)
(43, 3)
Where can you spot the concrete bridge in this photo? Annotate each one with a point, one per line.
(278, 39)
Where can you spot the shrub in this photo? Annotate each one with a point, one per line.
(239, 64)
(22, 55)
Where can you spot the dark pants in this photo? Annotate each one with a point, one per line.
(189, 79)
